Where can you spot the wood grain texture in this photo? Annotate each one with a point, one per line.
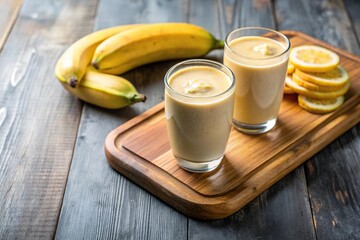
(333, 178)
(39, 123)
(251, 164)
(330, 174)
(266, 217)
(326, 20)
(353, 9)
(99, 203)
(9, 11)
(39, 130)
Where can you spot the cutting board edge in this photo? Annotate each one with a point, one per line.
(211, 208)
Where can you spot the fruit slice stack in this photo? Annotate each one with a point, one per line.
(315, 74)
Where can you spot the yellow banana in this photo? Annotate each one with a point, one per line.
(73, 62)
(151, 43)
(103, 90)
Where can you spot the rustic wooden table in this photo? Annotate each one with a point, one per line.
(55, 181)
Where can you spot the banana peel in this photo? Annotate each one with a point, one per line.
(103, 90)
(150, 43)
(74, 60)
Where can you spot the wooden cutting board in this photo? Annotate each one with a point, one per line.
(139, 149)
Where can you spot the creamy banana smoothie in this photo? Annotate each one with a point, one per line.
(258, 58)
(199, 100)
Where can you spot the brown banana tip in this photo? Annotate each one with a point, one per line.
(95, 64)
(142, 97)
(139, 98)
(72, 82)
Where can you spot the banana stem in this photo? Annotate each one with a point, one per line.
(218, 44)
(139, 98)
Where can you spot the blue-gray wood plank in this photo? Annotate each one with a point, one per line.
(41, 141)
(39, 120)
(99, 203)
(333, 174)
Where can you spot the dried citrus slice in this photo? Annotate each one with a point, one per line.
(320, 106)
(290, 68)
(288, 90)
(316, 94)
(312, 86)
(311, 58)
(335, 78)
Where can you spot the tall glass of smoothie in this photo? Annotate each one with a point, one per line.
(258, 57)
(199, 103)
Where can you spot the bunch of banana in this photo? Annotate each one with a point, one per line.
(116, 50)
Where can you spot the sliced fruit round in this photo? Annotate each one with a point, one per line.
(335, 78)
(312, 86)
(316, 94)
(312, 58)
(290, 68)
(320, 106)
(288, 90)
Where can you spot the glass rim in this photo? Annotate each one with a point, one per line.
(201, 61)
(259, 28)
